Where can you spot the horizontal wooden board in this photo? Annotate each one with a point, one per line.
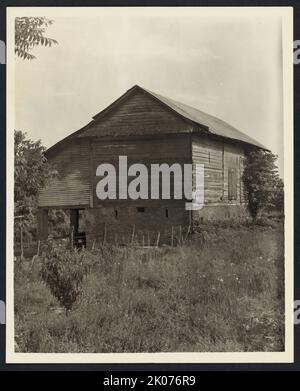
(72, 186)
(143, 150)
(140, 113)
(218, 157)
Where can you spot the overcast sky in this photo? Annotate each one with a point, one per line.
(225, 65)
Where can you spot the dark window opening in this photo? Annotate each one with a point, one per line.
(140, 209)
(116, 213)
(167, 213)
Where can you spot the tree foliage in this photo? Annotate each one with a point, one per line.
(32, 171)
(29, 32)
(63, 271)
(264, 187)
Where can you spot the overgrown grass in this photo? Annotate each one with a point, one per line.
(222, 292)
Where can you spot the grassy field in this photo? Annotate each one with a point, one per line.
(223, 291)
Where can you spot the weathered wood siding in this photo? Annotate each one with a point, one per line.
(233, 159)
(175, 149)
(218, 157)
(120, 216)
(138, 114)
(209, 153)
(72, 186)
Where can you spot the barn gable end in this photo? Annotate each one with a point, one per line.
(138, 113)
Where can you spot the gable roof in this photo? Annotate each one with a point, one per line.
(214, 124)
(201, 120)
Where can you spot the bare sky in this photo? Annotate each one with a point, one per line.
(225, 65)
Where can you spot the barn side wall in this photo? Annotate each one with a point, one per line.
(174, 149)
(218, 158)
(120, 217)
(72, 185)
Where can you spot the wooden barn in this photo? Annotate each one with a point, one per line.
(147, 128)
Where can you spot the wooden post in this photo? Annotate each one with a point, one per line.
(187, 233)
(180, 234)
(172, 236)
(157, 240)
(72, 238)
(143, 241)
(42, 224)
(74, 220)
(148, 239)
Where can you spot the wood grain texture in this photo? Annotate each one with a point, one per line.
(138, 114)
(150, 151)
(218, 158)
(72, 186)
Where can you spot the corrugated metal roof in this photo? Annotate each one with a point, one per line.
(214, 124)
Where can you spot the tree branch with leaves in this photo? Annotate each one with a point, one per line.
(29, 33)
(32, 172)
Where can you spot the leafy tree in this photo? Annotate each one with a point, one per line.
(32, 171)
(29, 32)
(263, 186)
(63, 271)
(278, 195)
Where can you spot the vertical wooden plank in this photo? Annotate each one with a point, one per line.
(229, 184)
(42, 224)
(72, 238)
(232, 184)
(157, 240)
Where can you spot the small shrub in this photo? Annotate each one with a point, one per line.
(63, 271)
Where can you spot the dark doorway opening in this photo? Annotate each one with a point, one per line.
(78, 239)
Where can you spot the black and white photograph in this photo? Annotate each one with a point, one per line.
(149, 184)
